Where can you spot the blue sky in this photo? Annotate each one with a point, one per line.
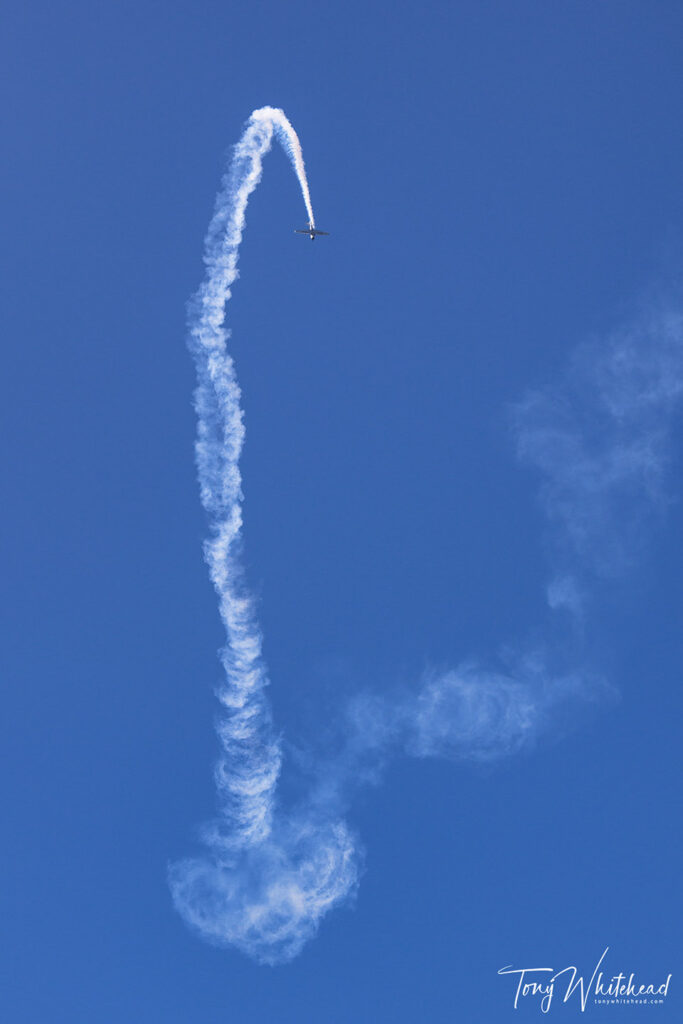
(502, 184)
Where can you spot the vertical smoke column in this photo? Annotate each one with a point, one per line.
(247, 771)
(265, 879)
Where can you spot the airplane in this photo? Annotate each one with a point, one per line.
(311, 231)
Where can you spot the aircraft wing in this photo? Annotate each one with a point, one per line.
(320, 232)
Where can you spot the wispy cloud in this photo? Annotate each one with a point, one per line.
(469, 714)
(600, 442)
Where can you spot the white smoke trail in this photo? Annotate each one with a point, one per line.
(602, 444)
(264, 888)
(290, 143)
(247, 773)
